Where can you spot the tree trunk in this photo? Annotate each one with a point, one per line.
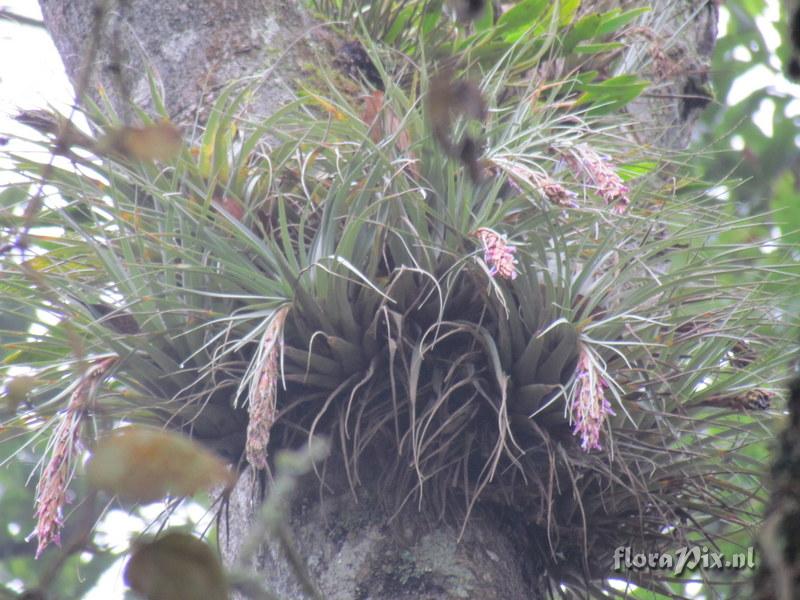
(194, 49)
(355, 550)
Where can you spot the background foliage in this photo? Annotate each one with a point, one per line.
(752, 130)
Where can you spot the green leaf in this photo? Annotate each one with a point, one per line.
(521, 18)
(598, 48)
(587, 77)
(529, 398)
(524, 370)
(583, 29)
(632, 170)
(430, 20)
(486, 21)
(566, 11)
(612, 94)
(400, 23)
(786, 203)
(552, 368)
(11, 196)
(753, 7)
(16, 390)
(614, 20)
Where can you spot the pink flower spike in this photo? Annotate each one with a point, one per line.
(609, 185)
(555, 192)
(590, 407)
(497, 253)
(51, 491)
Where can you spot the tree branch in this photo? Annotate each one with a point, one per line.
(7, 15)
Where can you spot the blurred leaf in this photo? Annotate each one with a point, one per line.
(16, 390)
(753, 7)
(567, 10)
(522, 17)
(161, 141)
(13, 195)
(583, 29)
(786, 203)
(632, 170)
(430, 20)
(598, 48)
(612, 94)
(50, 262)
(486, 20)
(325, 104)
(230, 205)
(613, 20)
(176, 566)
(400, 22)
(143, 464)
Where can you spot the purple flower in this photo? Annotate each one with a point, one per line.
(589, 407)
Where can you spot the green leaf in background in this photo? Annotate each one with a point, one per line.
(486, 21)
(755, 41)
(633, 170)
(13, 195)
(521, 18)
(753, 7)
(786, 204)
(15, 392)
(612, 94)
(583, 29)
(430, 20)
(615, 19)
(598, 48)
(567, 10)
(401, 21)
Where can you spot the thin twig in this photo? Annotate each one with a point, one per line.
(7, 15)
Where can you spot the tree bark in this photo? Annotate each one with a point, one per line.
(672, 50)
(354, 551)
(194, 49)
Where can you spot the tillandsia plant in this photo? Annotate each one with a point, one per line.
(537, 317)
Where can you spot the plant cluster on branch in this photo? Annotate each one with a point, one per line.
(545, 323)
